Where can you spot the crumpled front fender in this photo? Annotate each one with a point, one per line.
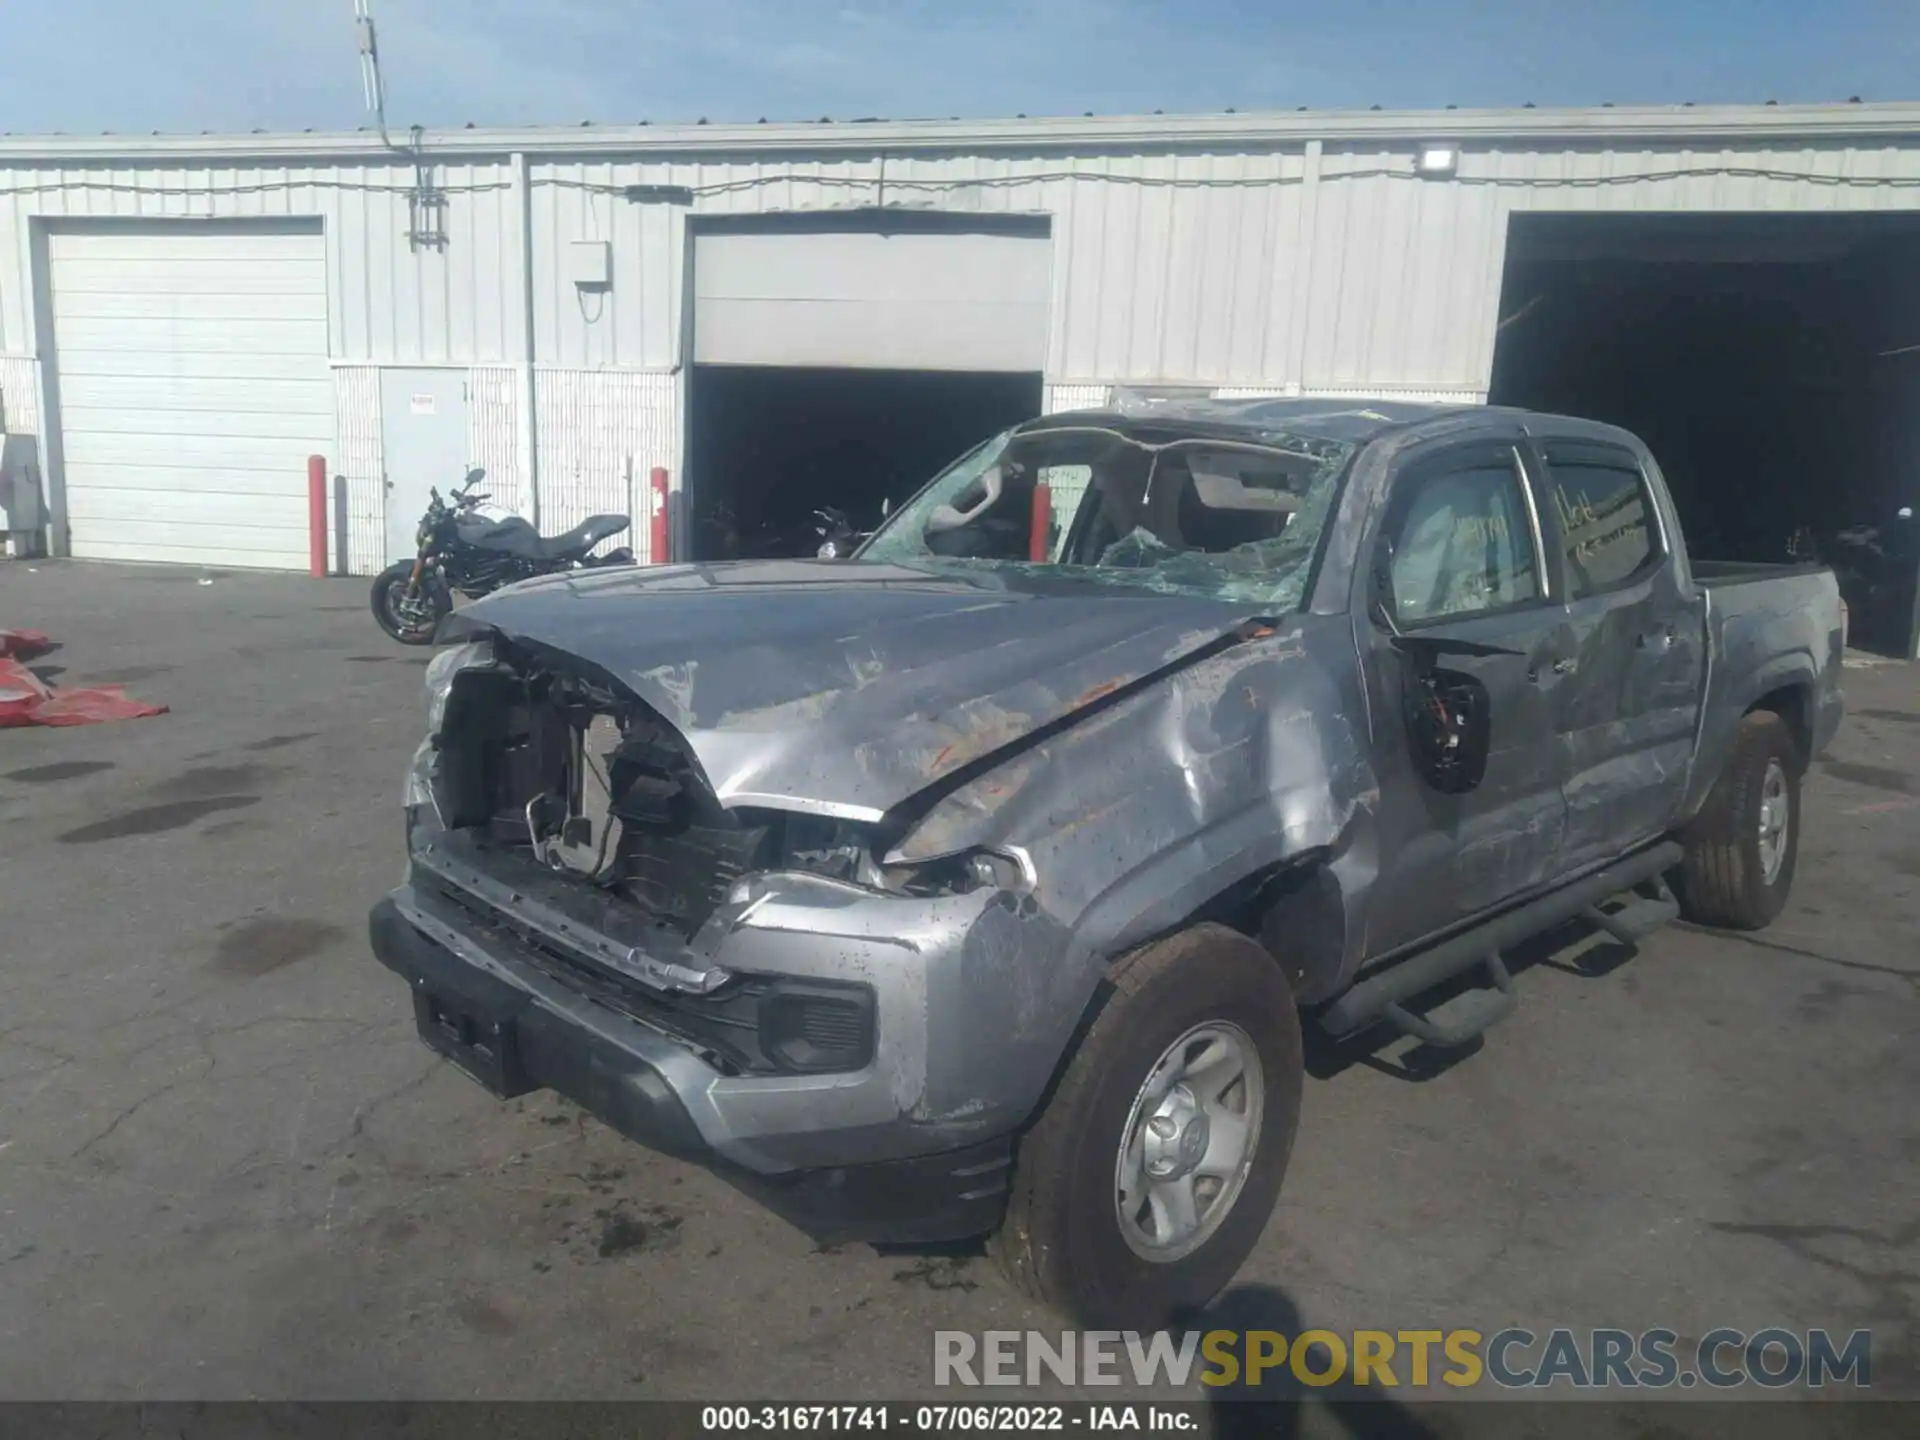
(1249, 761)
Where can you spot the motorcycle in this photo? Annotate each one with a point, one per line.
(1875, 566)
(838, 538)
(473, 548)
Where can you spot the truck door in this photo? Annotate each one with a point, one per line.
(1631, 655)
(1457, 620)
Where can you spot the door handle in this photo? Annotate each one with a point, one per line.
(1565, 667)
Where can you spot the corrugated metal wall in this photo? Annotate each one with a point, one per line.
(449, 300)
(1275, 269)
(598, 433)
(1075, 397)
(493, 429)
(360, 463)
(1295, 271)
(19, 395)
(1291, 268)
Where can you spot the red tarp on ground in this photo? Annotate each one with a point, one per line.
(26, 699)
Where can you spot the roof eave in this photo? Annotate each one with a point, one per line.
(1671, 123)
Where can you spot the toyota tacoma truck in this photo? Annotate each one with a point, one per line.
(982, 883)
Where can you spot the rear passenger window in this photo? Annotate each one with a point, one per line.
(1606, 521)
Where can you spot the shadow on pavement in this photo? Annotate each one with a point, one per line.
(1280, 1404)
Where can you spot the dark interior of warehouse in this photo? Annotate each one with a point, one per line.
(1770, 362)
(769, 445)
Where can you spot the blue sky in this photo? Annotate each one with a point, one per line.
(83, 66)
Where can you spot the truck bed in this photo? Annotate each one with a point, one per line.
(1770, 628)
(1719, 574)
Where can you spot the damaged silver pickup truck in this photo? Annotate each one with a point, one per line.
(983, 882)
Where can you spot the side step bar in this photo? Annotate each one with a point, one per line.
(1383, 996)
(1639, 917)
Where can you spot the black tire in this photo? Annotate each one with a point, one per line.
(389, 588)
(1061, 1242)
(1723, 879)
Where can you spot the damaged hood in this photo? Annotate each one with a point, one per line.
(845, 689)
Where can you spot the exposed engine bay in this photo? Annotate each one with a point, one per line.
(568, 770)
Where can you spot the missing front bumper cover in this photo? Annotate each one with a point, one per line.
(950, 1195)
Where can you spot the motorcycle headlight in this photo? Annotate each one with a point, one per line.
(442, 671)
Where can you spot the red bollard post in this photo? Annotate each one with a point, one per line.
(657, 541)
(1038, 541)
(317, 516)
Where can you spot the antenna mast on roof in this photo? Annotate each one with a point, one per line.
(370, 81)
(426, 201)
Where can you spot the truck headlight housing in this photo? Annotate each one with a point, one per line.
(444, 670)
(419, 783)
(959, 873)
(845, 850)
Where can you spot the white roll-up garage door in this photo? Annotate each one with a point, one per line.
(192, 380)
(860, 295)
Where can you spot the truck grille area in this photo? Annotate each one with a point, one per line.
(684, 875)
(679, 852)
(572, 802)
(582, 779)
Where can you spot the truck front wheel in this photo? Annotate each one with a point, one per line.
(1742, 846)
(1151, 1173)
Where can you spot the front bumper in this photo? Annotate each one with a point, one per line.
(914, 1147)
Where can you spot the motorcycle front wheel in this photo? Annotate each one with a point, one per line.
(410, 621)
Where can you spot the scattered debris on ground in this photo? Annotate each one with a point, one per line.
(621, 1231)
(939, 1272)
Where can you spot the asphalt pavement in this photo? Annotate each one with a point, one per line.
(228, 1169)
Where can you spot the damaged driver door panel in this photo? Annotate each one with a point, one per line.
(1459, 635)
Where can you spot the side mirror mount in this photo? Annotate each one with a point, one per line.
(1380, 603)
(1447, 714)
(1380, 612)
(1449, 729)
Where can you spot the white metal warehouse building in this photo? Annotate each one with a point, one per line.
(183, 320)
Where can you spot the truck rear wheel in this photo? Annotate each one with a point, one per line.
(1152, 1171)
(1742, 846)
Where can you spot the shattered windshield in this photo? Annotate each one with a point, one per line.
(1224, 519)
